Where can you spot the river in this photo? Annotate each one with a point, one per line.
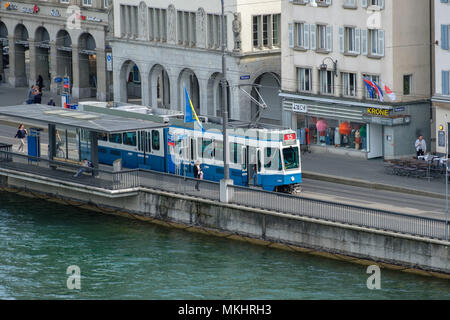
(120, 258)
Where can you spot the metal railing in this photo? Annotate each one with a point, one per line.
(7, 148)
(244, 196)
(342, 213)
(65, 171)
(179, 184)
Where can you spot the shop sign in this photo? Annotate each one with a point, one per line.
(33, 10)
(378, 112)
(10, 6)
(246, 77)
(89, 18)
(399, 109)
(55, 13)
(299, 108)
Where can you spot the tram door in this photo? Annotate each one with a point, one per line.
(244, 165)
(252, 172)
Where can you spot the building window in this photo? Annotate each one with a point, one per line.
(445, 83)
(350, 40)
(265, 31)
(300, 35)
(304, 79)
(348, 84)
(349, 3)
(186, 22)
(276, 29)
(321, 37)
(105, 4)
(376, 80)
(376, 41)
(87, 3)
(407, 82)
(157, 24)
(326, 82)
(64, 1)
(215, 31)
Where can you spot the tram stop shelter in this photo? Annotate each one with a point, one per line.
(94, 123)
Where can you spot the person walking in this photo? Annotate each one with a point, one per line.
(198, 174)
(21, 134)
(421, 146)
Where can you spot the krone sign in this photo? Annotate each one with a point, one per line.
(378, 112)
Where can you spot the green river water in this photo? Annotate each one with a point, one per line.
(121, 258)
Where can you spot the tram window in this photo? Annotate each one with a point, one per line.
(115, 138)
(155, 139)
(235, 152)
(272, 159)
(129, 138)
(291, 159)
(103, 136)
(207, 149)
(218, 150)
(259, 160)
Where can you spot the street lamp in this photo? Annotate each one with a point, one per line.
(226, 167)
(324, 66)
(446, 177)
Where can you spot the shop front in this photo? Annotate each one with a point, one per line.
(353, 129)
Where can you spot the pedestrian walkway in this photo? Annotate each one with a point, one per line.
(366, 173)
(10, 96)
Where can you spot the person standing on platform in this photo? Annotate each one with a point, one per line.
(421, 146)
(198, 174)
(21, 134)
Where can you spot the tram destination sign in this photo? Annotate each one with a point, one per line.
(289, 138)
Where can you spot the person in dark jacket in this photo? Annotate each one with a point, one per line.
(38, 96)
(40, 83)
(21, 134)
(51, 102)
(198, 174)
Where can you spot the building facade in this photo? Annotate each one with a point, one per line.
(441, 67)
(329, 49)
(161, 47)
(56, 38)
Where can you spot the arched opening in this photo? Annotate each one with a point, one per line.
(159, 87)
(266, 89)
(21, 57)
(87, 66)
(64, 55)
(130, 83)
(215, 94)
(189, 80)
(4, 59)
(42, 51)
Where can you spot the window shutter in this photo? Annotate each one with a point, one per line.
(306, 36)
(364, 42)
(445, 83)
(341, 40)
(312, 31)
(381, 4)
(358, 41)
(444, 36)
(364, 3)
(330, 38)
(328, 2)
(381, 42)
(291, 35)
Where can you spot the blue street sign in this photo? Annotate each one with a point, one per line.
(399, 109)
(58, 79)
(246, 77)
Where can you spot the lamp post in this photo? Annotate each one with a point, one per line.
(226, 167)
(446, 177)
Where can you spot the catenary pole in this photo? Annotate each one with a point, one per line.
(226, 167)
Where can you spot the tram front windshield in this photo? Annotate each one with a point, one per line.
(291, 158)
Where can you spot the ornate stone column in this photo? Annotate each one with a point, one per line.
(75, 72)
(101, 73)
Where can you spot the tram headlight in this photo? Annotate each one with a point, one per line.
(292, 179)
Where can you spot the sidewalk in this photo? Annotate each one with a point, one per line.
(10, 96)
(366, 173)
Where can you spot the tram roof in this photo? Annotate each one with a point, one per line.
(77, 119)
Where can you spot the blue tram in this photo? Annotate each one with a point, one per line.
(257, 157)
